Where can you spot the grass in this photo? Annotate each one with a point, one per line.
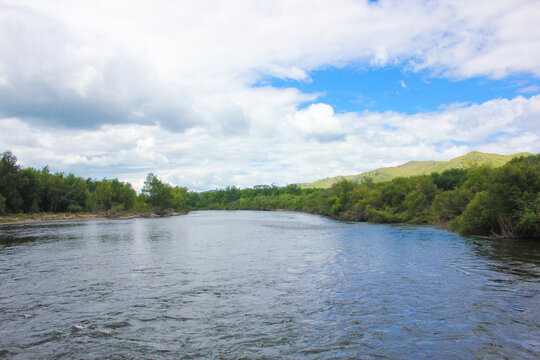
(413, 168)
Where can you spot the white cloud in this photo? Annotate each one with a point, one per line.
(200, 159)
(113, 59)
(120, 88)
(318, 121)
(530, 89)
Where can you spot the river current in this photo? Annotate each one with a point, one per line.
(248, 284)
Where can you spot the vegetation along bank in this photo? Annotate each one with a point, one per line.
(483, 200)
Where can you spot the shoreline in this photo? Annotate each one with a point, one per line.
(69, 217)
(40, 218)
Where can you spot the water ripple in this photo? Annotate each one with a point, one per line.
(264, 285)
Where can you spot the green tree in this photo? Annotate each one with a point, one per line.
(2, 205)
(9, 183)
(123, 195)
(449, 204)
(450, 179)
(159, 193)
(480, 217)
(508, 205)
(103, 196)
(29, 190)
(180, 198)
(76, 193)
(418, 202)
(53, 195)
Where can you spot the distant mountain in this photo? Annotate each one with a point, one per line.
(413, 168)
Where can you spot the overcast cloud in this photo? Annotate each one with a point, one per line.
(121, 88)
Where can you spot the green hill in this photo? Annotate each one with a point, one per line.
(413, 168)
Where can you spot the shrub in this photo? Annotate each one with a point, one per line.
(74, 208)
(2, 205)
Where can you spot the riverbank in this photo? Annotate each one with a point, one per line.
(68, 217)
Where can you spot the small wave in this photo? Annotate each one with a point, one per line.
(101, 333)
(116, 325)
(52, 336)
(79, 327)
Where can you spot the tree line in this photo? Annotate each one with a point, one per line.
(33, 191)
(501, 201)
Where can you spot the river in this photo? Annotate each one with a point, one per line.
(248, 284)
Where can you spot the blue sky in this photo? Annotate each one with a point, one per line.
(394, 88)
(208, 94)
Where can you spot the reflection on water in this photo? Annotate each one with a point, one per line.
(264, 284)
(516, 257)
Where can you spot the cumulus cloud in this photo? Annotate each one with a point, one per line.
(318, 121)
(60, 78)
(79, 63)
(125, 87)
(203, 160)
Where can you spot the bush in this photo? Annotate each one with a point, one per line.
(2, 205)
(380, 216)
(449, 204)
(117, 209)
(74, 208)
(418, 202)
(529, 225)
(478, 218)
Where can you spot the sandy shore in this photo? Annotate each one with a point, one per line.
(61, 217)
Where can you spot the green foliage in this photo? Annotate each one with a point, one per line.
(485, 200)
(162, 196)
(142, 203)
(506, 200)
(74, 208)
(449, 179)
(479, 217)
(159, 193)
(481, 200)
(2, 205)
(180, 198)
(380, 216)
(449, 204)
(415, 168)
(28, 182)
(528, 225)
(9, 183)
(107, 195)
(31, 191)
(418, 201)
(477, 178)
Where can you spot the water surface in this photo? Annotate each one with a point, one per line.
(245, 284)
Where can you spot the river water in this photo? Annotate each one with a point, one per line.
(247, 284)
